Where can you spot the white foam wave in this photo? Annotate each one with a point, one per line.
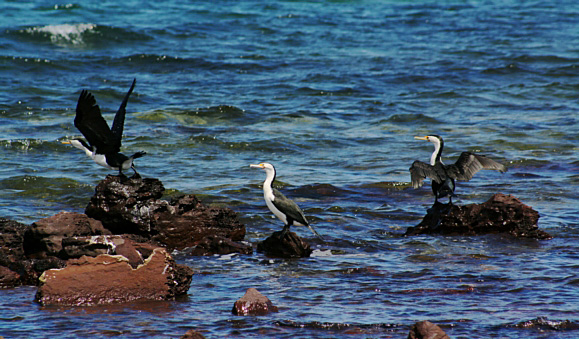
(68, 33)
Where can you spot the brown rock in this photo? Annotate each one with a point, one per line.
(125, 205)
(186, 221)
(44, 237)
(192, 334)
(132, 206)
(110, 279)
(211, 245)
(426, 330)
(13, 258)
(253, 303)
(291, 246)
(8, 278)
(500, 214)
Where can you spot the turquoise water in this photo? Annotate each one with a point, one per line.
(332, 93)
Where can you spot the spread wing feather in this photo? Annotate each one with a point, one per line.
(469, 163)
(289, 207)
(93, 126)
(420, 171)
(119, 121)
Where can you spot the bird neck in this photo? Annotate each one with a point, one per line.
(269, 179)
(436, 155)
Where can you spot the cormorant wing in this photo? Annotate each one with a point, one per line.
(93, 126)
(119, 121)
(289, 207)
(469, 163)
(420, 171)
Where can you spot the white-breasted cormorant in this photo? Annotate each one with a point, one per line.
(104, 143)
(283, 208)
(443, 176)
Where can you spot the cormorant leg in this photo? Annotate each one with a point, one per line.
(136, 175)
(284, 231)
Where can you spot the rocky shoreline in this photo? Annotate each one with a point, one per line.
(119, 249)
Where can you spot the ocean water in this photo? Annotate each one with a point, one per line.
(332, 93)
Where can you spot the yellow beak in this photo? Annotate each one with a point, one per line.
(421, 138)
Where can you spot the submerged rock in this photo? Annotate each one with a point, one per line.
(426, 330)
(500, 214)
(134, 206)
(291, 246)
(192, 334)
(109, 279)
(253, 303)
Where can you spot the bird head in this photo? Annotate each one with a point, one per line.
(78, 143)
(264, 166)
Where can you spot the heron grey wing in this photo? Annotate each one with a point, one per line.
(119, 121)
(468, 164)
(420, 171)
(288, 207)
(90, 122)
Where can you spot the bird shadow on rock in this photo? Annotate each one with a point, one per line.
(500, 214)
(290, 246)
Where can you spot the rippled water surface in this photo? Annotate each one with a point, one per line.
(332, 93)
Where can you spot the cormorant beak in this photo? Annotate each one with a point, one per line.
(257, 166)
(66, 142)
(422, 138)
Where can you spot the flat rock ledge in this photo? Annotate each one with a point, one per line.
(253, 303)
(291, 246)
(107, 279)
(500, 214)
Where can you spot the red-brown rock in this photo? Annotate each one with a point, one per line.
(500, 214)
(426, 330)
(44, 237)
(8, 278)
(186, 221)
(253, 303)
(109, 279)
(291, 246)
(192, 334)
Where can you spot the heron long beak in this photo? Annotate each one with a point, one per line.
(257, 166)
(421, 138)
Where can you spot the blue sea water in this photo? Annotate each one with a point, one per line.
(332, 93)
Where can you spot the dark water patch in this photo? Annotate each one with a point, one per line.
(509, 69)
(417, 118)
(59, 7)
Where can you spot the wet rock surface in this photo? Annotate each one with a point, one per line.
(500, 214)
(253, 303)
(44, 237)
(192, 334)
(291, 246)
(109, 279)
(134, 206)
(211, 245)
(15, 267)
(426, 330)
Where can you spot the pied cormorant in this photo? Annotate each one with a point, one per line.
(283, 208)
(104, 143)
(443, 176)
